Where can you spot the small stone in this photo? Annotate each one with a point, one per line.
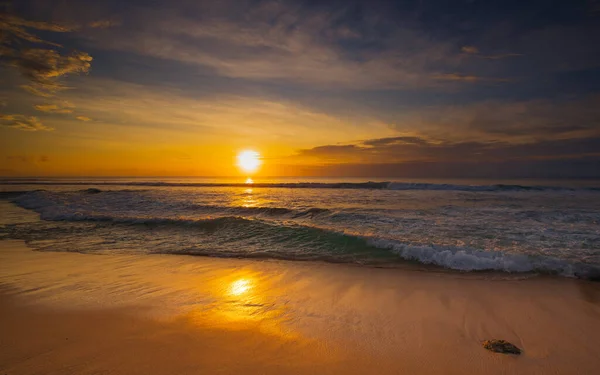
(501, 346)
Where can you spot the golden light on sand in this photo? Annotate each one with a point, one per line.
(240, 287)
(249, 161)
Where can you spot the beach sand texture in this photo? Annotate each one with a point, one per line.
(69, 313)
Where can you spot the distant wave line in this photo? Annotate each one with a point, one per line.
(385, 185)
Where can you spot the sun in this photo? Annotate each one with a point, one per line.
(249, 161)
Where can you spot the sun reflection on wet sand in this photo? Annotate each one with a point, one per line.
(245, 300)
(240, 287)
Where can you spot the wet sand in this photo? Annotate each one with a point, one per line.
(69, 313)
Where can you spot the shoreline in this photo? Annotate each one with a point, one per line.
(366, 248)
(283, 317)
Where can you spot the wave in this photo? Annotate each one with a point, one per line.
(50, 203)
(234, 236)
(264, 211)
(14, 194)
(482, 188)
(385, 185)
(18, 193)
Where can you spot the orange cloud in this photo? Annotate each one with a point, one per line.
(22, 122)
(43, 67)
(54, 108)
(457, 77)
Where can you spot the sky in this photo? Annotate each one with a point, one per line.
(353, 88)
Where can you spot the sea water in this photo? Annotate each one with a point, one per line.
(515, 226)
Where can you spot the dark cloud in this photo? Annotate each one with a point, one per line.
(334, 152)
(395, 141)
(474, 51)
(44, 67)
(105, 24)
(500, 56)
(471, 50)
(14, 30)
(41, 66)
(39, 61)
(388, 150)
(457, 77)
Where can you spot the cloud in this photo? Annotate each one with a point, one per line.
(104, 24)
(22, 122)
(42, 67)
(55, 108)
(422, 150)
(395, 140)
(219, 116)
(500, 56)
(470, 50)
(14, 29)
(457, 77)
(340, 153)
(286, 41)
(474, 51)
(490, 131)
(83, 118)
(512, 121)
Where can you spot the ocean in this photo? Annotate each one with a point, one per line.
(548, 227)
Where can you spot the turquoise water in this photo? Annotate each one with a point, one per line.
(512, 226)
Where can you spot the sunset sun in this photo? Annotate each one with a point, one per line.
(249, 161)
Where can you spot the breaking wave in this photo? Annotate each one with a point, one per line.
(236, 236)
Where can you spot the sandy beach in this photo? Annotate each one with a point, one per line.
(66, 313)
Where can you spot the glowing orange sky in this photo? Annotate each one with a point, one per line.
(107, 88)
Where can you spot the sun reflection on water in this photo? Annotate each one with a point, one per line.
(248, 199)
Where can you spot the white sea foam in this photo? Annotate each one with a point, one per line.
(466, 259)
(500, 232)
